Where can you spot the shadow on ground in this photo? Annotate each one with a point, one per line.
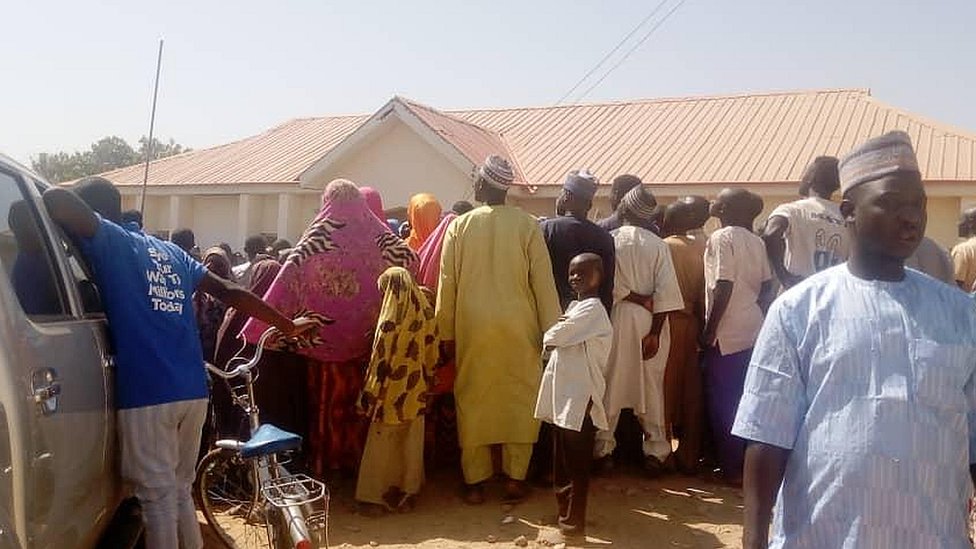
(626, 511)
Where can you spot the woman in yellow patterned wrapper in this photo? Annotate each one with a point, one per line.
(405, 352)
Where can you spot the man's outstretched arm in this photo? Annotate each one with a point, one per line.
(237, 297)
(70, 212)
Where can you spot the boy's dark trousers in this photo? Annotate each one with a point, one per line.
(572, 461)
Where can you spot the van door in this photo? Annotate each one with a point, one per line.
(70, 479)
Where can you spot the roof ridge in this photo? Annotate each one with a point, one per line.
(411, 103)
(509, 153)
(673, 99)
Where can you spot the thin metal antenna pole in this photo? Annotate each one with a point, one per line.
(152, 124)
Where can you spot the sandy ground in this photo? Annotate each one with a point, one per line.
(625, 511)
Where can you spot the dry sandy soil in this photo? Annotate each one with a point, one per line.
(625, 511)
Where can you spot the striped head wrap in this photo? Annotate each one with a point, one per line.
(876, 158)
(640, 203)
(497, 172)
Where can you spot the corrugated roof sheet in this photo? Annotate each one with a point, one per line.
(753, 138)
(474, 142)
(278, 155)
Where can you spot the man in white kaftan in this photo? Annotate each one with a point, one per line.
(643, 268)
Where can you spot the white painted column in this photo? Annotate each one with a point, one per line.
(178, 206)
(248, 212)
(287, 209)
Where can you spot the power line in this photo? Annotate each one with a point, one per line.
(613, 51)
(631, 50)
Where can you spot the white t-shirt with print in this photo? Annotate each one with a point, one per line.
(737, 255)
(816, 237)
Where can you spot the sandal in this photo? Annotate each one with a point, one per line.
(474, 494)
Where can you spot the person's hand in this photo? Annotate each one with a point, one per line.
(302, 326)
(647, 302)
(448, 350)
(650, 346)
(707, 339)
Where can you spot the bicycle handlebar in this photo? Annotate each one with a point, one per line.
(247, 366)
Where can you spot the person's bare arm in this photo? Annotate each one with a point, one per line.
(720, 302)
(645, 301)
(71, 213)
(764, 468)
(651, 343)
(776, 249)
(234, 295)
(766, 296)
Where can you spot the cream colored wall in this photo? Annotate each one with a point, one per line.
(943, 218)
(399, 164)
(215, 220)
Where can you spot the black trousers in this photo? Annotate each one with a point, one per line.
(572, 461)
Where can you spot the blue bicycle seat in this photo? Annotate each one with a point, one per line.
(268, 440)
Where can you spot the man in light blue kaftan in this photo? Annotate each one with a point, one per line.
(870, 383)
(860, 400)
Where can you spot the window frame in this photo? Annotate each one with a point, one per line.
(64, 256)
(69, 299)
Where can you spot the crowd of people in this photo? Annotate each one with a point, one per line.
(799, 359)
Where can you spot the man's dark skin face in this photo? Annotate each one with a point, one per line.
(570, 204)
(967, 223)
(888, 219)
(585, 275)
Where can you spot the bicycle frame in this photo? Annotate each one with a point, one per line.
(285, 496)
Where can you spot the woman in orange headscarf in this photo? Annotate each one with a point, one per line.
(423, 213)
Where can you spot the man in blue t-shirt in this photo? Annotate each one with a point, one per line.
(147, 287)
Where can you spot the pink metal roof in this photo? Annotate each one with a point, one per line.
(474, 142)
(755, 138)
(278, 155)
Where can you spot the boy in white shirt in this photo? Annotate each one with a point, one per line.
(572, 389)
(738, 290)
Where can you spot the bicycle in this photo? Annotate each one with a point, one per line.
(243, 487)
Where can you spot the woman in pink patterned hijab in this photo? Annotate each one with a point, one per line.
(331, 275)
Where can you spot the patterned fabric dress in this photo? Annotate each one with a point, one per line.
(331, 276)
(405, 351)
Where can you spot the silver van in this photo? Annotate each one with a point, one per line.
(59, 477)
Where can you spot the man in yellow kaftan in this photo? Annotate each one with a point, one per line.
(495, 300)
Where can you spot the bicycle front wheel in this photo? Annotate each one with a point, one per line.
(227, 490)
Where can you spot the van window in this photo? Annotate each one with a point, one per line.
(26, 256)
(80, 272)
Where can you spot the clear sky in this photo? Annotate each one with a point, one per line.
(76, 70)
